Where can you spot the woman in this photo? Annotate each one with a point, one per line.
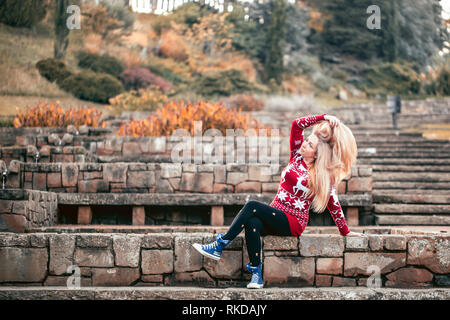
(316, 166)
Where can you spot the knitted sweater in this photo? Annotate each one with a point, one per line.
(293, 185)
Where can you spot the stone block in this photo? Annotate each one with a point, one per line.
(23, 264)
(248, 186)
(360, 184)
(13, 223)
(360, 263)
(84, 215)
(157, 241)
(114, 277)
(186, 257)
(126, 250)
(62, 247)
(357, 243)
(69, 174)
(141, 179)
(321, 245)
(394, 242)
(93, 240)
(330, 266)
(157, 261)
(289, 270)
(54, 179)
(430, 252)
(280, 243)
(409, 278)
(138, 216)
(230, 265)
(93, 258)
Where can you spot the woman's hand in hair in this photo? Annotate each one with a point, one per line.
(334, 122)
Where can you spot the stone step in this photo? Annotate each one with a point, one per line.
(405, 155)
(401, 150)
(409, 191)
(399, 161)
(412, 208)
(392, 220)
(196, 293)
(417, 198)
(426, 186)
(411, 176)
(410, 168)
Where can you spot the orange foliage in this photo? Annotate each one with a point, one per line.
(52, 115)
(175, 115)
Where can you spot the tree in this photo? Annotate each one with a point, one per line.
(273, 63)
(61, 29)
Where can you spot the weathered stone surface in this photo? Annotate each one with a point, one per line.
(198, 278)
(8, 239)
(94, 258)
(69, 174)
(115, 172)
(39, 181)
(330, 265)
(430, 252)
(230, 265)
(323, 280)
(442, 280)
(186, 257)
(126, 250)
(235, 178)
(220, 174)
(198, 182)
(170, 170)
(280, 243)
(248, 186)
(141, 179)
(321, 245)
(12, 223)
(114, 276)
(61, 253)
(344, 282)
(357, 243)
(157, 261)
(61, 281)
(360, 184)
(93, 240)
(358, 263)
(93, 186)
(152, 278)
(292, 270)
(394, 242)
(54, 179)
(409, 278)
(376, 242)
(23, 264)
(157, 241)
(39, 240)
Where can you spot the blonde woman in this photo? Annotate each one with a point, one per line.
(316, 166)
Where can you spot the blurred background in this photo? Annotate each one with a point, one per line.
(140, 55)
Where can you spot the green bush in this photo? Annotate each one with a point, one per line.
(53, 70)
(22, 13)
(391, 78)
(91, 86)
(100, 63)
(443, 82)
(223, 83)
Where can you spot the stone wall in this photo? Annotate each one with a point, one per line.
(21, 210)
(163, 178)
(168, 259)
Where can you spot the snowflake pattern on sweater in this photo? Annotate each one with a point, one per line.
(293, 184)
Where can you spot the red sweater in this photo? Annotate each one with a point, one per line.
(289, 198)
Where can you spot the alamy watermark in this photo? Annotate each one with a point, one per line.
(213, 147)
(374, 21)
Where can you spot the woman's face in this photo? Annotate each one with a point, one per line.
(309, 147)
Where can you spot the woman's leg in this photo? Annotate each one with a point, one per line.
(258, 219)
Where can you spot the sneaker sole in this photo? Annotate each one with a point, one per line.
(198, 247)
(255, 286)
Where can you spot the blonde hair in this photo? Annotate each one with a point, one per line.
(336, 153)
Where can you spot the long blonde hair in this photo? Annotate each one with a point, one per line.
(336, 154)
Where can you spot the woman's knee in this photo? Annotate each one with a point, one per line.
(252, 205)
(253, 225)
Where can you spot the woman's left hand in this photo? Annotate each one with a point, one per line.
(354, 234)
(333, 121)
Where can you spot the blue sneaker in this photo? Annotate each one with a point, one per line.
(257, 279)
(212, 250)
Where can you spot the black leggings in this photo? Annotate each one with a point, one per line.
(259, 219)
